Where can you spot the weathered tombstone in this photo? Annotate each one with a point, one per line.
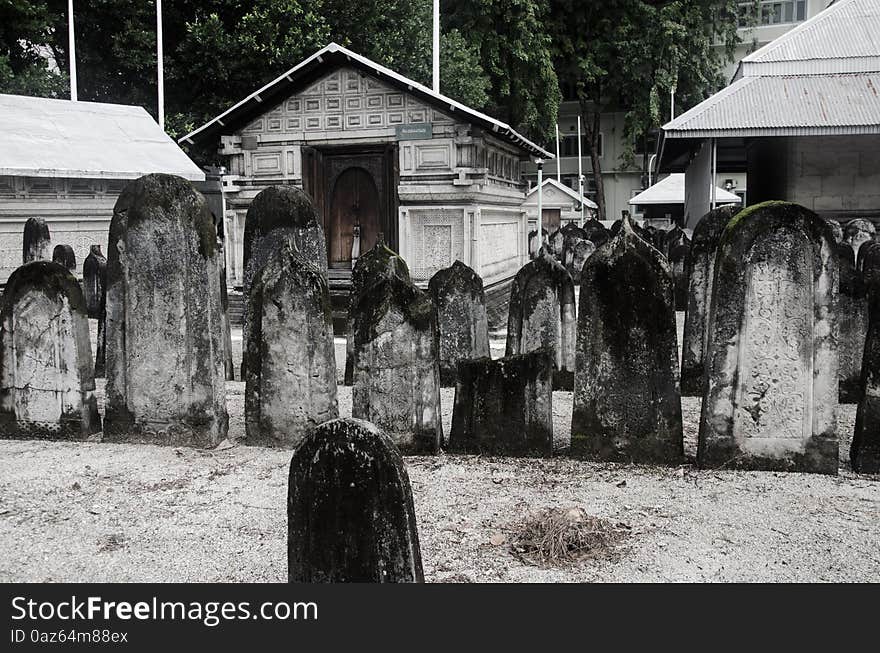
(573, 235)
(864, 451)
(671, 239)
(64, 255)
(541, 315)
(771, 362)
(680, 262)
(462, 325)
(858, 231)
(868, 266)
(47, 388)
(627, 405)
(852, 315)
(557, 241)
(350, 515)
(95, 293)
(396, 368)
(290, 387)
(836, 229)
(581, 251)
(707, 233)
(596, 232)
(504, 406)
(165, 376)
(36, 241)
(534, 245)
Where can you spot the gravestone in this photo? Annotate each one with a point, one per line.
(864, 451)
(680, 262)
(596, 232)
(556, 243)
(64, 255)
(836, 229)
(228, 365)
(36, 242)
(505, 406)
(580, 252)
(626, 404)
(165, 376)
(771, 361)
(290, 387)
(534, 245)
(707, 233)
(350, 515)
(857, 232)
(47, 387)
(852, 315)
(462, 325)
(671, 239)
(395, 363)
(95, 293)
(541, 315)
(868, 266)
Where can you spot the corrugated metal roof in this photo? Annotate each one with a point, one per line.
(40, 137)
(550, 181)
(671, 191)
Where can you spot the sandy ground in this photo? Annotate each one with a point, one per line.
(107, 512)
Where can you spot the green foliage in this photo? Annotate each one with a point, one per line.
(26, 62)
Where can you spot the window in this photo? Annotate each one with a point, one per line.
(568, 145)
(771, 12)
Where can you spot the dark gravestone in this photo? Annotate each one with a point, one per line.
(541, 315)
(836, 229)
(596, 232)
(462, 325)
(36, 241)
(857, 232)
(290, 386)
(671, 239)
(64, 255)
(680, 262)
(771, 399)
(95, 293)
(627, 405)
(396, 368)
(852, 316)
(556, 243)
(504, 406)
(579, 253)
(228, 365)
(47, 387)
(534, 244)
(864, 451)
(165, 376)
(868, 266)
(707, 233)
(350, 515)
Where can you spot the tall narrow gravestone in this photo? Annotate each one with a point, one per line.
(95, 293)
(290, 385)
(627, 405)
(36, 242)
(852, 315)
(165, 376)
(771, 400)
(680, 262)
(463, 329)
(64, 255)
(396, 368)
(350, 515)
(707, 233)
(47, 388)
(541, 314)
(864, 451)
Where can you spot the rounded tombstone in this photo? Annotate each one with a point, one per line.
(64, 255)
(857, 232)
(35, 241)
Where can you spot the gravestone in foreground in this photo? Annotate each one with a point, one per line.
(771, 400)
(852, 315)
(64, 255)
(36, 242)
(350, 515)
(95, 293)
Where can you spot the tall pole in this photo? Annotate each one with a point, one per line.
(436, 42)
(672, 103)
(558, 171)
(160, 67)
(540, 201)
(580, 172)
(71, 47)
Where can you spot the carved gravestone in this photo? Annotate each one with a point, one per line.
(350, 515)
(165, 376)
(707, 233)
(462, 325)
(534, 244)
(47, 388)
(95, 293)
(557, 241)
(852, 315)
(771, 400)
(505, 406)
(596, 232)
(64, 255)
(680, 262)
(627, 405)
(836, 229)
(864, 451)
(579, 253)
(36, 242)
(541, 315)
(290, 385)
(396, 367)
(857, 232)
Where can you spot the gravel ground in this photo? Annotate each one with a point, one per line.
(108, 512)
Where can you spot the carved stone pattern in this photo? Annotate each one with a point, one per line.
(437, 238)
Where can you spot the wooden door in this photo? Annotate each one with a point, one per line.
(551, 218)
(354, 208)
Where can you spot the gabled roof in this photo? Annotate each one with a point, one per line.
(328, 58)
(41, 137)
(551, 181)
(671, 191)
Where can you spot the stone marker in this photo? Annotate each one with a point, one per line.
(596, 232)
(47, 388)
(579, 253)
(771, 400)
(541, 314)
(395, 363)
(36, 242)
(707, 233)
(556, 242)
(64, 255)
(857, 232)
(852, 316)
(95, 293)
(462, 325)
(504, 407)
(868, 266)
(864, 452)
(534, 245)
(165, 377)
(836, 229)
(627, 405)
(290, 385)
(671, 239)
(228, 365)
(350, 515)
(680, 262)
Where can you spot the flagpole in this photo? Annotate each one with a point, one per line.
(580, 172)
(436, 47)
(71, 47)
(160, 72)
(558, 171)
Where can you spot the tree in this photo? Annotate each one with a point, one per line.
(27, 65)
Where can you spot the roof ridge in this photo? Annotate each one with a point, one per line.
(709, 102)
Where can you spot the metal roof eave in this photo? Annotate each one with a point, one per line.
(770, 132)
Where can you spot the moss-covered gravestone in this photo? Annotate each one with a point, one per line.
(47, 387)
(771, 400)
(165, 376)
(350, 515)
(395, 363)
(596, 232)
(290, 385)
(36, 242)
(534, 244)
(580, 251)
(504, 406)
(627, 405)
(95, 292)
(707, 233)
(64, 255)
(463, 329)
(864, 451)
(680, 262)
(541, 315)
(852, 315)
(857, 232)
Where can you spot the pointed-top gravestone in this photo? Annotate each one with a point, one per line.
(852, 315)
(627, 405)
(707, 233)
(36, 242)
(534, 244)
(47, 387)
(836, 229)
(596, 232)
(771, 362)
(350, 515)
(95, 293)
(165, 374)
(857, 232)
(463, 328)
(64, 255)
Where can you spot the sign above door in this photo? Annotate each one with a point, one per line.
(415, 131)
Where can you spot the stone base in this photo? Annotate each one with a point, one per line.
(205, 435)
(820, 457)
(73, 429)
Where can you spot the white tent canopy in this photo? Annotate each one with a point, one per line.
(671, 191)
